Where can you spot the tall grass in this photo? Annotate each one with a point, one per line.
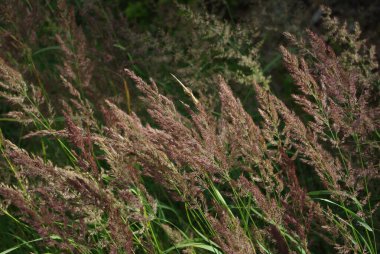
(87, 168)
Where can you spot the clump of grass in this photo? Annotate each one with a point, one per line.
(192, 180)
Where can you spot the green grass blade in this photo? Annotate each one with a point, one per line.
(20, 245)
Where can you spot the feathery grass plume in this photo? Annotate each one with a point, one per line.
(188, 149)
(354, 52)
(245, 148)
(335, 97)
(338, 139)
(77, 67)
(67, 204)
(232, 44)
(125, 135)
(229, 234)
(18, 33)
(26, 98)
(286, 134)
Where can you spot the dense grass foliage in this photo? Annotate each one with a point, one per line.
(226, 149)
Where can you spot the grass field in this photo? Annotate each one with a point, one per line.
(189, 127)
